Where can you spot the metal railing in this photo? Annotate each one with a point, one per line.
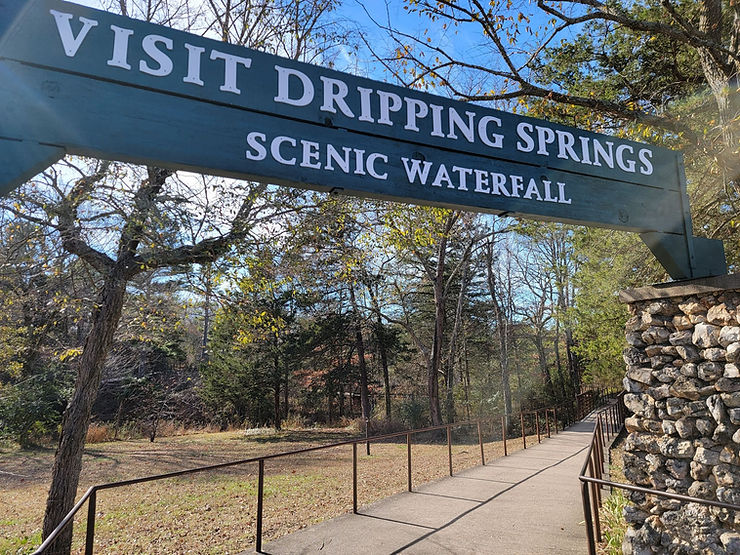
(609, 423)
(591, 399)
(542, 422)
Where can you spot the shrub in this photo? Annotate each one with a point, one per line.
(293, 422)
(414, 413)
(383, 426)
(99, 433)
(32, 408)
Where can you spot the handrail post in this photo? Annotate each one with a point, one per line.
(524, 433)
(615, 423)
(449, 446)
(354, 478)
(615, 418)
(537, 425)
(480, 442)
(90, 533)
(585, 498)
(547, 421)
(260, 505)
(595, 505)
(555, 418)
(599, 460)
(408, 458)
(503, 433)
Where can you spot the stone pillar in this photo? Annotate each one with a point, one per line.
(683, 386)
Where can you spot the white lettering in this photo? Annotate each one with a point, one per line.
(436, 120)
(481, 181)
(462, 174)
(332, 155)
(193, 76)
(457, 121)
(365, 110)
(499, 180)
(359, 161)
(120, 47)
(335, 91)
(442, 175)
(607, 156)
(517, 184)
(565, 146)
(647, 167)
(275, 150)
(310, 153)
(260, 152)
(389, 102)
(545, 136)
(283, 95)
(70, 43)
(371, 165)
(561, 189)
(548, 193)
(149, 44)
(414, 109)
(230, 69)
(626, 165)
(496, 140)
(523, 130)
(585, 152)
(416, 170)
(532, 190)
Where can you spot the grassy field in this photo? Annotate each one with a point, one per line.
(214, 512)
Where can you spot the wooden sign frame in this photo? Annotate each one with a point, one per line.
(75, 80)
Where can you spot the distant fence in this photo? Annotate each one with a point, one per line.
(542, 422)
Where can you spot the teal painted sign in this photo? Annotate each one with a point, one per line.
(83, 81)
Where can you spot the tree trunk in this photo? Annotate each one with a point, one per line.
(722, 79)
(68, 460)
(364, 394)
(206, 315)
(574, 370)
(276, 402)
(450, 373)
(435, 361)
(384, 364)
(286, 381)
(466, 376)
(277, 378)
(539, 342)
(380, 338)
(502, 331)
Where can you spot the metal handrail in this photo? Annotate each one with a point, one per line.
(568, 417)
(609, 422)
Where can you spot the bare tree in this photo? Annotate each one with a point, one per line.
(506, 59)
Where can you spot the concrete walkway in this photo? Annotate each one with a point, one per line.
(526, 504)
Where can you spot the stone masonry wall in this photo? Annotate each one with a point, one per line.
(683, 386)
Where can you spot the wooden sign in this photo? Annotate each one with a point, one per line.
(82, 81)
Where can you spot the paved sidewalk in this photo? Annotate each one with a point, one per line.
(526, 504)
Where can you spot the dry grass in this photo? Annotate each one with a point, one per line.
(214, 512)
